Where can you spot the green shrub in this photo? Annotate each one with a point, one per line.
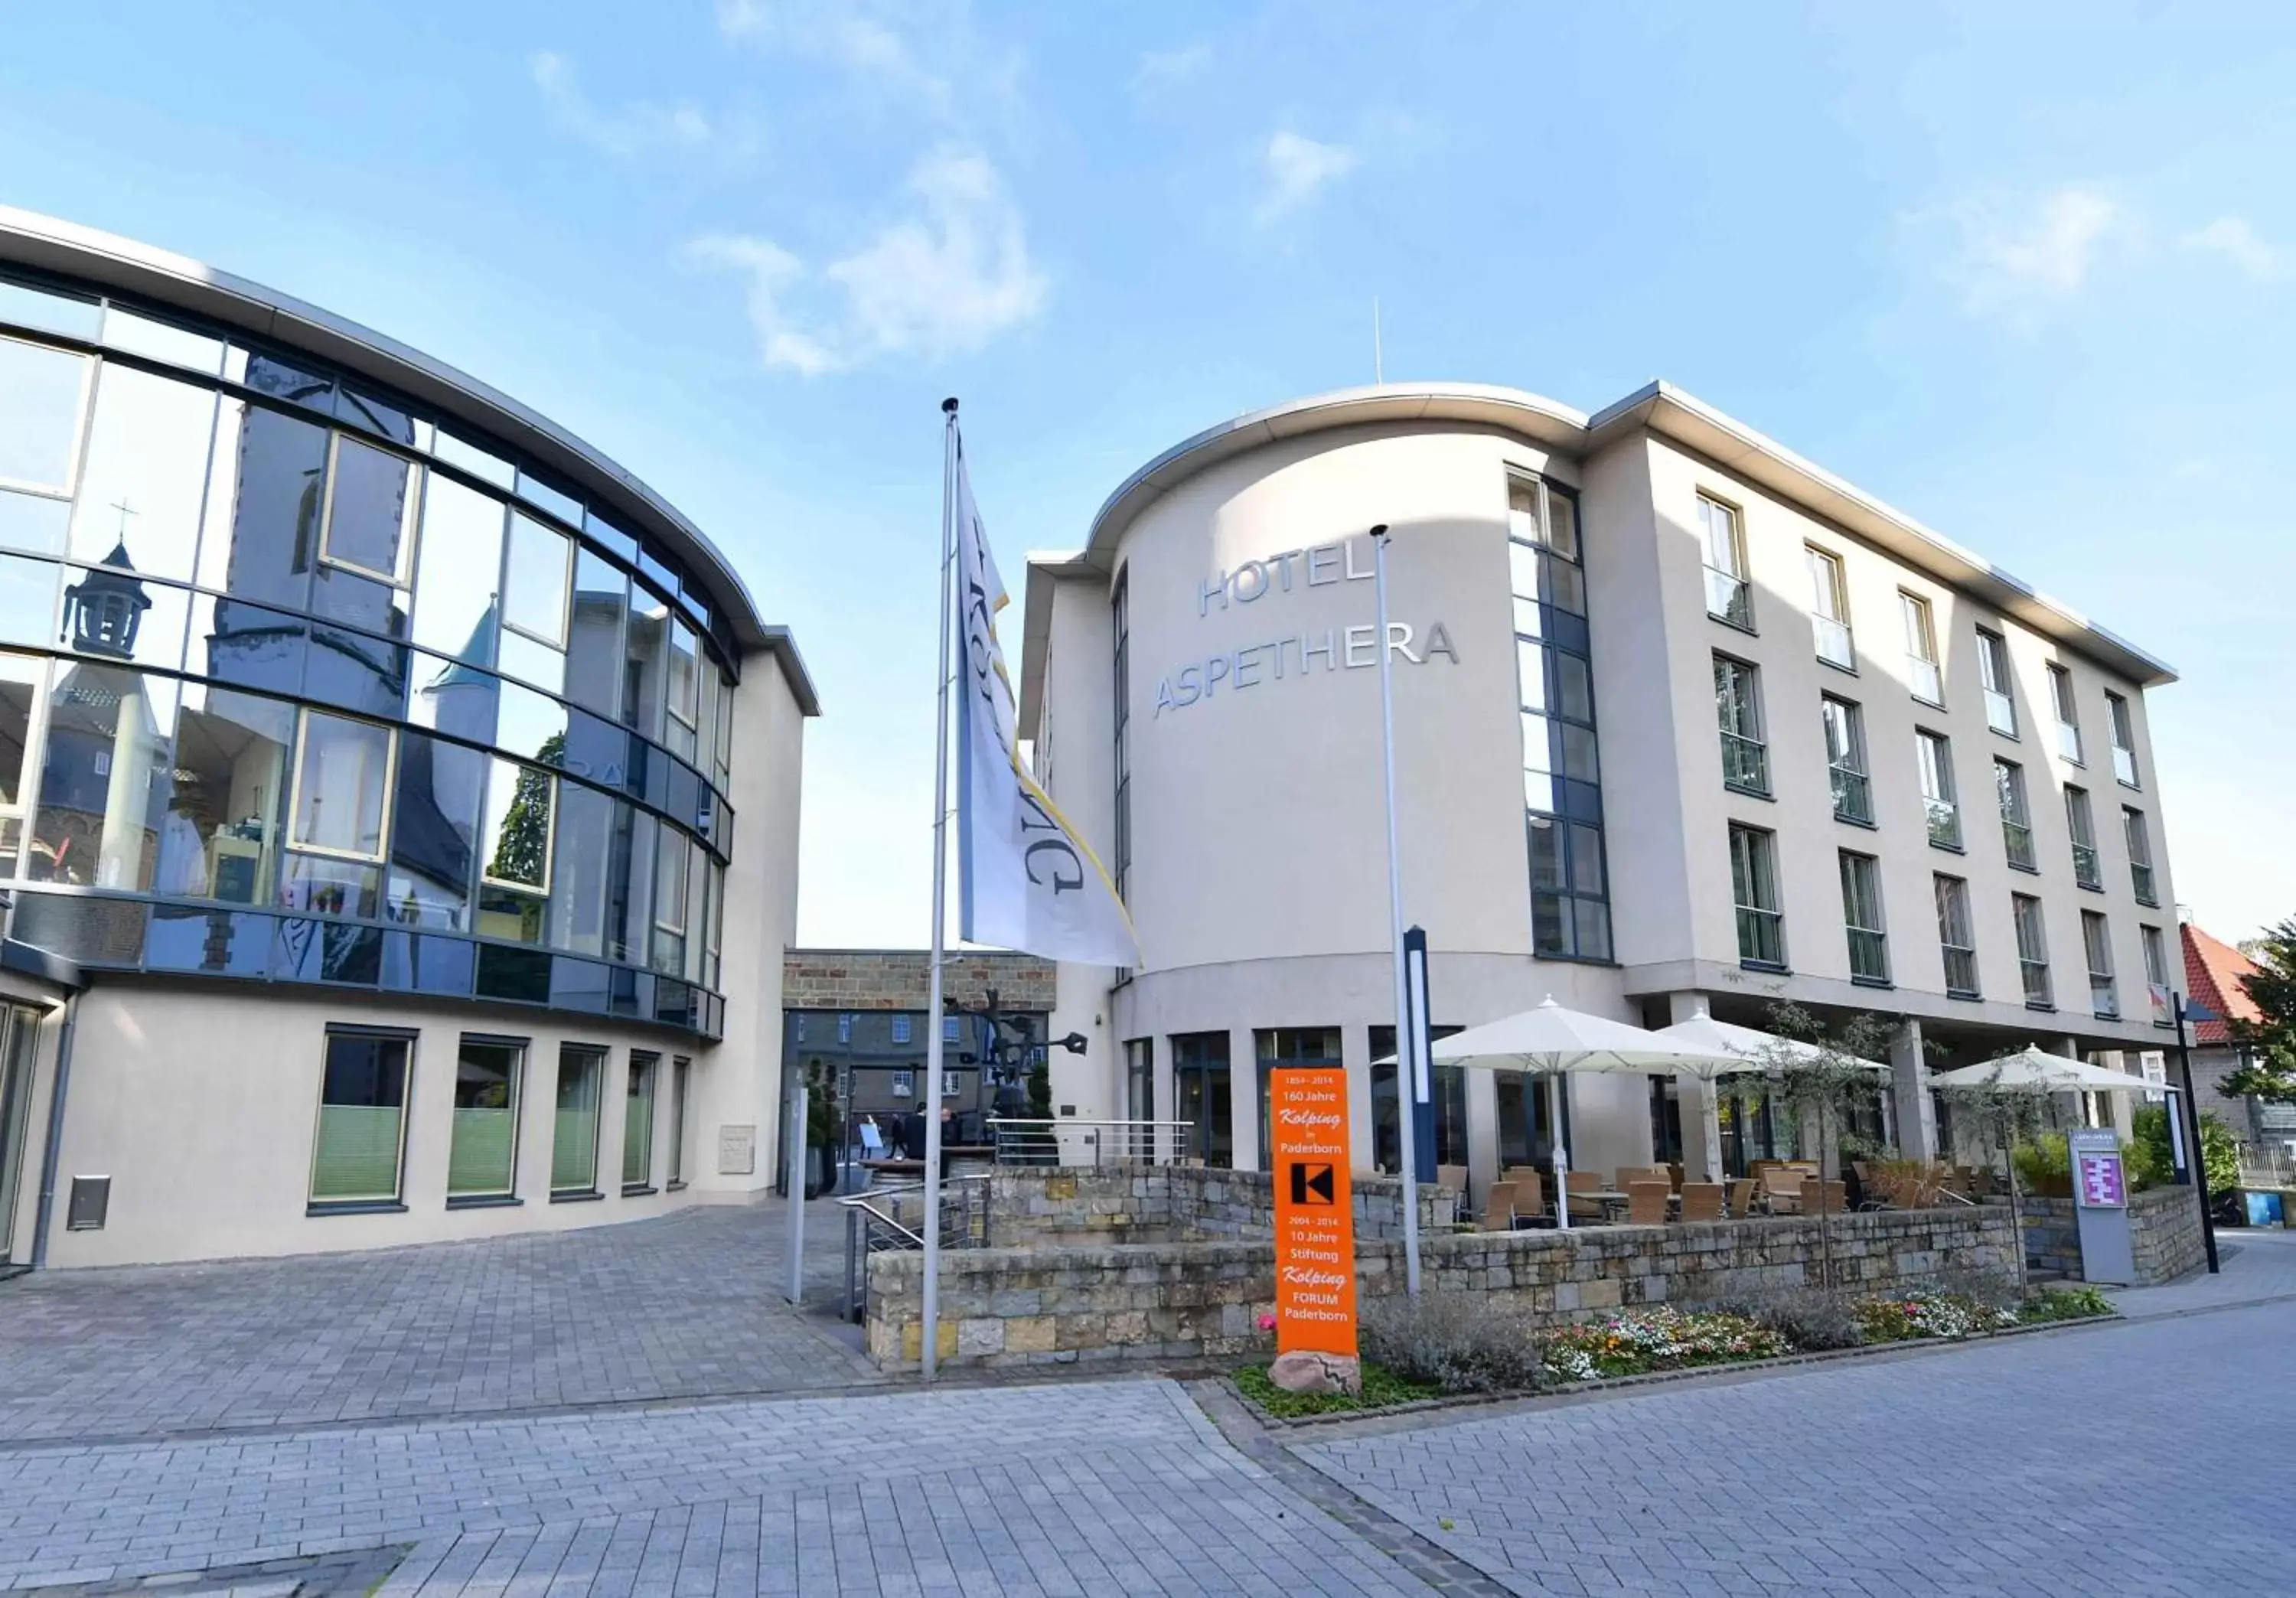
(2063, 1304)
(1381, 1387)
(1809, 1321)
(2045, 1165)
(2219, 1150)
(1453, 1341)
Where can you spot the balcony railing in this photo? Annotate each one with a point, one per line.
(1869, 955)
(2069, 742)
(2086, 872)
(1833, 643)
(1729, 598)
(1922, 675)
(2103, 1002)
(2140, 878)
(2017, 839)
(1853, 795)
(2124, 765)
(1960, 972)
(1068, 1142)
(1745, 763)
(2037, 992)
(1761, 936)
(2000, 712)
(1945, 822)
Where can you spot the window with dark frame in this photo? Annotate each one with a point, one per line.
(2016, 818)
(1830, 609)
(2080, 825)
(1729, 595)
(1119, 609)
(1754, 892)
(358, 1149)
(482, 1153)
(1940, 802)
(2158, 990)
(2124, 739)
(1928, 682)
(1861, 917)
(574, 1131)
(1957, 941)
(637, 1121)
(2140, 855)
(1993, 673)
(1845, 759)
(2068, 713)
(2032, 950)
(2096, 943)
(1738, 711)
(1561, 778)
(681, 1084)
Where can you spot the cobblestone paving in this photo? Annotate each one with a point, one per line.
(684, 1306)
(2147, 1459)
(1085, 1488)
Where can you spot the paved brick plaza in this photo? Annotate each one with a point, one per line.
(2135, 1459)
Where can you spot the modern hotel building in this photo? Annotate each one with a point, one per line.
(371, 756)
(1683, 720)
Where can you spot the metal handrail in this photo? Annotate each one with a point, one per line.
(865, 1222)
(1052, 1141)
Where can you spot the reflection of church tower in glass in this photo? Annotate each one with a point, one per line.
(102, 612)
(438, 780)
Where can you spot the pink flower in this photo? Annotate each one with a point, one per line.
(1267, 1323)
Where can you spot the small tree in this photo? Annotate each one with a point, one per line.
(1823, 1078)
(2008, 1116)
(2270, 1039)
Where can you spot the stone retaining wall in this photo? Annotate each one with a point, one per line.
(1175, 1300)
(1092, 1207)
(2164, 1232)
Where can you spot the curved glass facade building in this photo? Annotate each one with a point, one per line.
(323, 666)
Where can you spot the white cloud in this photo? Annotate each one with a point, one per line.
(630, 131)
(871, 42)
(942, 281)
(2045, 253)
(1299, 169)
(1160, 71)
(2236, 241)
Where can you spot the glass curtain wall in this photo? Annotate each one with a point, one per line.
(298, 657)
(1447, 1085)
(1562, 776)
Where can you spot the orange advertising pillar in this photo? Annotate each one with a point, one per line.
(1314, 1213)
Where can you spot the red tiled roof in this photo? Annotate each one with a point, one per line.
(2213, 970)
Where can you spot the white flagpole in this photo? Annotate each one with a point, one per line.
(1406, 1110)
(929, 1350)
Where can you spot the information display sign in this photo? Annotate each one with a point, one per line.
(1315, 1211)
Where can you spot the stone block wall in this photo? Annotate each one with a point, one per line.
(1092, 1205)
(1026, 1305)
(2164, 1232)
(899, 980)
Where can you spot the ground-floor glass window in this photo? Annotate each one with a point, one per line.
(15, 1109)
(1665, 1119)
(1447, 1085)
(1525, 1118)
(1203, 1096)
(1754, 1126)
(637, 1121)
(574, 1138)
(361, 1139)
(1288, 1046)
(680, 1071)
(1139, 1079)
(482, 1156)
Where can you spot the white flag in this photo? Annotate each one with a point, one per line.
(1029, 881)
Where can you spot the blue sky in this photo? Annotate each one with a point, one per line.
(2023, 271)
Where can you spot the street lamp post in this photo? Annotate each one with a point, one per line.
(1407, 1120)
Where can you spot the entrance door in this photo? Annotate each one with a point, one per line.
(1201, 1088)
(19, 1051)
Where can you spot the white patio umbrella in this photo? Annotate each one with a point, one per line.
(1751, 1051)
(2031, 1070)
(1550, 1040)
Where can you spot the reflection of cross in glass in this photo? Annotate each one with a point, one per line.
(126, 510)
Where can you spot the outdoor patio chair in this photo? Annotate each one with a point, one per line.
(1584, 1209)
(1453, 1177)
(1824, 1198)
(1529, 1195)
(1498, 1207)
(1782, 1190)
(1702, 1201)
(1628, 1175)
(1646, 1203)
(1674, 1173)
(1741, 1198)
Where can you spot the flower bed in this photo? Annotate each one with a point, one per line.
(1656, 1339)
(1440, 1347)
